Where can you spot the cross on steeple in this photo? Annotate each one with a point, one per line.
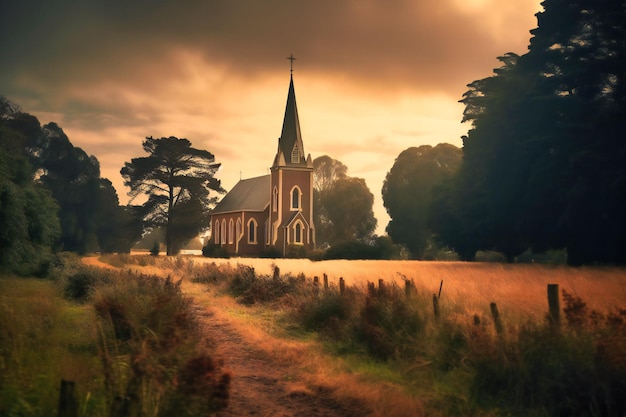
(291, 58)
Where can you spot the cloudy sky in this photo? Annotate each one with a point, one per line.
(372, 77)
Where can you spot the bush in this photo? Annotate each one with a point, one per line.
(149, 340)
(156, 248)
(212, 250)
(295, 251)
(271, 252)
(80, 285)
(350, 250)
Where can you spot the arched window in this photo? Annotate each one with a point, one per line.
(238, 229)
(297, 233)
(223, 232)
(216, 231)
(231, 232)
(252, 229)
(295, 154)
(295, 198)
(275, 199)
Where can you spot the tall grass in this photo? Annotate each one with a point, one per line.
(44, 339)
(129, 342)
(460, 361)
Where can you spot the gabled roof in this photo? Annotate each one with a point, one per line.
(252, 194)
(290, 136)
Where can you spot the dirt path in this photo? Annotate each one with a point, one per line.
(265, 386)
(262, 384)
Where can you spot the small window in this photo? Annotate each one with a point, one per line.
(216, 231)
(238, 229)
(295, 154)
(252, 226)
(295, 198)
(223, 232)
(298, 233)
(231, 232)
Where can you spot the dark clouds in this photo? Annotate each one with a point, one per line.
(427, 44)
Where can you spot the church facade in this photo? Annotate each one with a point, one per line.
(274, 210)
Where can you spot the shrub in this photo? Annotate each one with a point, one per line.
(80, 285)
(156, 248)
(212, 250)
(149, 339)
(271, 252)
(350, 250)
(295, 251)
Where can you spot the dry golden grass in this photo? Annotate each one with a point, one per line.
(515, 288)
(468, 288)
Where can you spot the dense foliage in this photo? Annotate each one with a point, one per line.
(543, 163)
(342, 204)
(177, 179)
(408, 193)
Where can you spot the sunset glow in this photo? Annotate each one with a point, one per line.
(370, 80)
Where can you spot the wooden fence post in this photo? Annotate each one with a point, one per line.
(407, 288)
(325, 281)
(440, 287)
(436, 305)
(276, 272)
(496, 317)
(381, 286)
(316, 281)
(68, 403)
(554, 306)
(342, 285)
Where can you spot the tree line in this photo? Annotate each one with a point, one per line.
(52, 197)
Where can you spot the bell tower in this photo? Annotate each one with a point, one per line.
(291, 203)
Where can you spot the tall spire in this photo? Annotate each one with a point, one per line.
(290, 141)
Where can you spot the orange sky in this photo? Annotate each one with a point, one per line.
(372, 78)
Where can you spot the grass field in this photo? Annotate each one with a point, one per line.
(518, 288)
(381, 347)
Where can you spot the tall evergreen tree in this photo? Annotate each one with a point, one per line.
(177, 179)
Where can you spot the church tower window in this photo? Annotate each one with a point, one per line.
(295, 198)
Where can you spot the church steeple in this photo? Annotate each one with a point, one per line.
(290, 143)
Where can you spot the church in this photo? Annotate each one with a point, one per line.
(274, 210)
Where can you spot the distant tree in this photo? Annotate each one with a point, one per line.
(177, 180)
(73, 177)
(408, 193)
(119, 227)
(332, 216)
(327, 171)
(349, 206)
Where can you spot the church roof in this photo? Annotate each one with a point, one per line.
(290, 137)
(252, 194)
